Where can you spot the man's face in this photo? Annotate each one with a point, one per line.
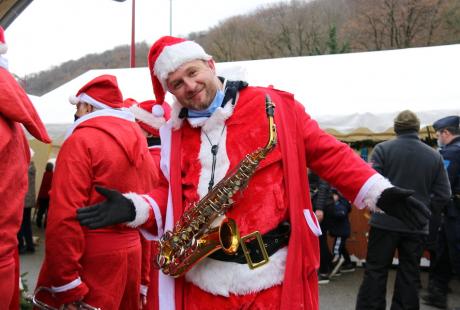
(194, 84)
(443, 137)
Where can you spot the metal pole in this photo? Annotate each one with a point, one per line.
(133, 40)
(170, 17)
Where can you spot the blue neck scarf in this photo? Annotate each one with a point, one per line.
(217, 102)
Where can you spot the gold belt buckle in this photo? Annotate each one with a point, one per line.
(256, 234)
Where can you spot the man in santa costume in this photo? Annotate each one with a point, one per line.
(104, 147)
(214, 124)
(150, 116)
(16, 110)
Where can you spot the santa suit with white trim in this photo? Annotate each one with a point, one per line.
(103, 148)
(278, 190)
(150, 116)
(16, 109)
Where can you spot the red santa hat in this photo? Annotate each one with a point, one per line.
(3, 45)
(166, 55)
(101, 92)
(151, 115)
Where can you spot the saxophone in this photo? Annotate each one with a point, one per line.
(203, 228)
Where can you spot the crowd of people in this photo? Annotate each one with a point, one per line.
(140, 188)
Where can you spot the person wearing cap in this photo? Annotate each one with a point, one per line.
(104, 147)
(214, 124)
(409, 163)
(447, 261)
(16, 111)
(150, 116)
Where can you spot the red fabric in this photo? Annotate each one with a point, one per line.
(154, 52)
(15, 300)
(45, 186)
(146, 258)
(17, 107)
(265, 300)
(102, 151)
(279, 189)
(104, 89)
(8, 283)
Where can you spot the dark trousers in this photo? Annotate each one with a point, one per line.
(447, 261)
(340, 249)
(325, 255)
(43, 204)
(25, 233)
(381, 249)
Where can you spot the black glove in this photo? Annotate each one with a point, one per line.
(400, 203)
(115, 210)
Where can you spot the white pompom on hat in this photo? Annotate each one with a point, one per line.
(3, 45)
(166, 55)
(101, 92)
(151, 115)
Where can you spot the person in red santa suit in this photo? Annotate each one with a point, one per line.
(104, 147)
(214, 124)
(16, 110)
(150, 116)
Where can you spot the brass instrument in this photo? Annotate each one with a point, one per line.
(41, 305)
(198, 234)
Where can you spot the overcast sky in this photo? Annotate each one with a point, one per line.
(50, 32)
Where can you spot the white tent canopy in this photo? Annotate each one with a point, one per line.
(344, 93)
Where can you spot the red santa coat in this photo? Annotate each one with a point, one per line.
(105, 149)
(15, 109)
(277, 191)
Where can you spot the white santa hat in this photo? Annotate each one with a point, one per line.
(3, 45)
(166, 55)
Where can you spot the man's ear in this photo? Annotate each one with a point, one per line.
(212, 65)
(89, 108)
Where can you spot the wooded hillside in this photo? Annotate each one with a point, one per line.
(298, 28)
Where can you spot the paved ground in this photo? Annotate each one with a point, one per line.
(339, 294)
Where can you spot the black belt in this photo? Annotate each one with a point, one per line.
(273, 241)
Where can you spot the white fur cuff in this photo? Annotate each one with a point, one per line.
(371, 191)
(142, 209)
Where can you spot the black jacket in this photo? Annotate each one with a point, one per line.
(409, 163)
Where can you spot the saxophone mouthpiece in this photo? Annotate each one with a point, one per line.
(269, 106)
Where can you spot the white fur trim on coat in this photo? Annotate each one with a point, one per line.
(147, 117)
(3, 62)
(225, 278)
(3, 48)
(174, 56)
(216, 131)
(370, 192)
(66, 287)
(142, 209)
(158, 219)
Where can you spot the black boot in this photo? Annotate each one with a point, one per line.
(436, 298)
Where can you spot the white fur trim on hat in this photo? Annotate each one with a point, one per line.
(173, 56)
(146, 117)
(90, 100)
